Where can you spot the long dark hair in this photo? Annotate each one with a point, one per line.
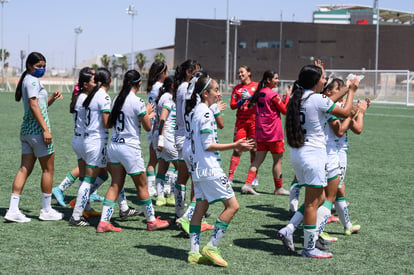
(132, 78)
(102, 78)
(203, 83)
(155, 71)
(167, 87)
(32, 59)
(308, 77)
(85, 75)
(269, 74)
(181, 71)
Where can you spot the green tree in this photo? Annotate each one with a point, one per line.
(141, 59)
(94, 66)
(159, 57)
(123, 64)
(105, 60)
(6, 56)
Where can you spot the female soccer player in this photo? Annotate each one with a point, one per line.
(245, 116)
(203, 160)
(305, 119)
(163, 138)
(269, 131)
(128, 114)
(36, 139)
(157, 73)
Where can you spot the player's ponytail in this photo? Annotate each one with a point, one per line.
(308, 78)
(132, 78)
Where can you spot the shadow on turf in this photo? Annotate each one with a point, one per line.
(165, 251)
(274, 212)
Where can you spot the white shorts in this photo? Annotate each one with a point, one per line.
(34, 144)
(309, 164)
(179, 142)
(95, 152)
(213, 190)
(343, 161)
(169, 153)
(333, 166)
(130, 157)
(77, 146)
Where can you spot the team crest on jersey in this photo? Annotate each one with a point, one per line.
(234, 96)
(33, 84)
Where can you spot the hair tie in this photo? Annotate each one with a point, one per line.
(76, 89)
(298, 86)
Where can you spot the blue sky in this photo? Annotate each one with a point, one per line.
(48, 26)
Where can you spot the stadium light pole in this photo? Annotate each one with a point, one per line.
(227, 49)
(376, 5)
(235, 22)
(2, 43)
(78, 30)
(131, 11)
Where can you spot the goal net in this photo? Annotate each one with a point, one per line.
(393, 87)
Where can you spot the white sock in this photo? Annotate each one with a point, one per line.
(195, 242)
(297, 219)
(310, 236)
(67, 182)
(294, 197)
(148, 209)
(343, 213)
(179, 192)
(46, 201)
(107, 210)
(14, 202)
(322, 215)
(81, 200)
(122, 202)
(219, 230)
(190, 211)
(159, 182)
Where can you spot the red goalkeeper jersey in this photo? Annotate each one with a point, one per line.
(244, 113)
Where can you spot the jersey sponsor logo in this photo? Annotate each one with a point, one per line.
(107, 97)
(207, 115)
(33, 84)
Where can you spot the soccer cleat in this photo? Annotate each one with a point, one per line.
(72, 203)
(354, 229)
(184, 224)
(171, 200)
(316, 253)
(51, 215)
(321, 244)
(248, 189)
(81, 222)
(95, 197)
(161, 201)
(328, 237)
(205, 226)
(286, 236)
(157, 224)
(195, 257)
(332, 218)
(91, 213)
(282, 191)
(58, 194)
(255, 182)
(16, 216)
(107, 227)
(131, 212)
(213, 254)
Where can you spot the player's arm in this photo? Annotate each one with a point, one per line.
(241, 145)
(105, 119)
(163, 117)
(357, 123)
(338, 127)
(145, 118)
(234, 99)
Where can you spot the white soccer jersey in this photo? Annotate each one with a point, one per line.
(313, 112)
(153, 94)
(79, 115)
(128, 126)
(204, 165)
(166, 102)
(180, 107)
(101, 103)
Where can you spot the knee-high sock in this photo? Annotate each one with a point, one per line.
(234, 162)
